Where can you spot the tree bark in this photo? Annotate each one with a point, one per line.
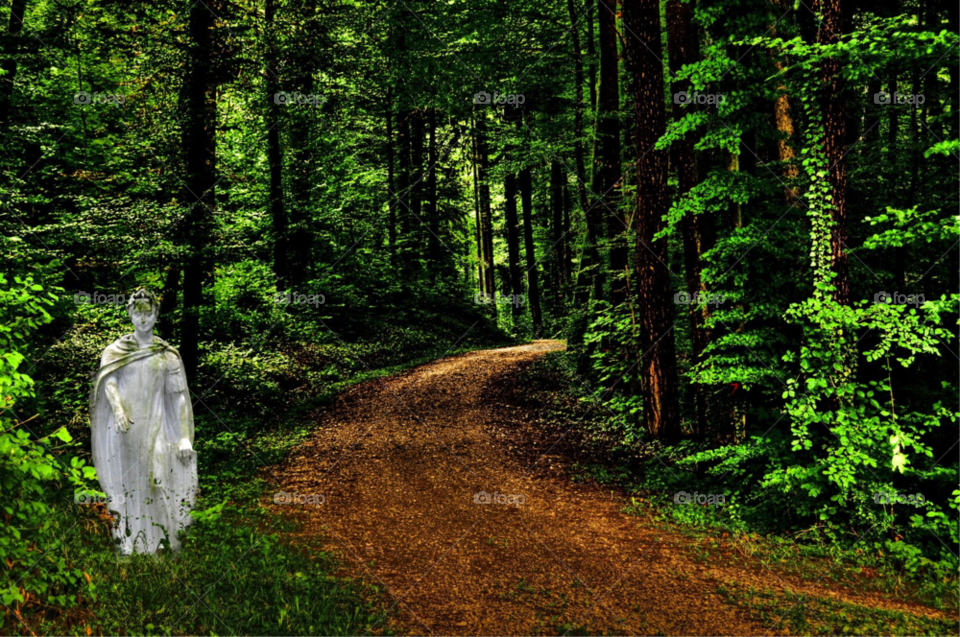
(557, 234)
(433, 221)
(696, 230)
(578, 112)
(533, 276)
(200, 154)
(657, 365)
(513, 238)
(476, 205)
(391, 184)
(486, 215)
(831, 29)
(274, 155)
(606, 152)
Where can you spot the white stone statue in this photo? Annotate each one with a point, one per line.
(142, 434)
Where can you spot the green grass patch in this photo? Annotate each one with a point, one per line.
(803, 614)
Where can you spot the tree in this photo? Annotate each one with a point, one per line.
(658, 372)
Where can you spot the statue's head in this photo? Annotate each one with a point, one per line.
(143, 308)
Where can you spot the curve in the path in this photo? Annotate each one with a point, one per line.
(400, 463)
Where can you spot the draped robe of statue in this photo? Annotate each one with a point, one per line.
(149, 487)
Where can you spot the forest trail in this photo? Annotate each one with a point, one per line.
(399, 462)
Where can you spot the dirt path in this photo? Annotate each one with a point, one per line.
(399, 463)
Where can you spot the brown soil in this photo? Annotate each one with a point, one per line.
(399, 462)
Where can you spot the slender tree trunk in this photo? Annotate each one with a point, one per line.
(657, 364)
(476, 205)
(832, 28)
(274, 155)
(953, 98)
(589, 18)
(391, 186)
(419, 232)
(10, 52)
(783, 121)
(697, 230)
(533, 276)
(567, 250)
(578, 112)
(557, 235)
(513, 238)
(200, 153)
(404, 183)
(436, 254)
(304, 249)
(168, 300)
(606, 153)
(486, 214)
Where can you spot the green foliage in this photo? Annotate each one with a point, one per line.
(34, 474)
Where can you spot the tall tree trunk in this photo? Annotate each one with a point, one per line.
(304, 249)
(436, 253)
(591, 51)
(696, 230)
(557, 234)
(513, 238)
(606, 153)
(533, 277)
(832, 27)
(168, 301)
(567, 250)
(419, 232)
(658, 372)
(391, 184)
(404, 183)
(486, 214)
(578, 111)
(783, 120)
(476, 205)
(274, 156)
(200, 154)
(10, 52)
(953, 98)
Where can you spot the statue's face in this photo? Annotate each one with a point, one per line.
(143, 317)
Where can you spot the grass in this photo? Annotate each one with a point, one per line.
(803, 614)
(806, 561)
(229, 579)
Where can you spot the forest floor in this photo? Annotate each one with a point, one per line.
(399, 462)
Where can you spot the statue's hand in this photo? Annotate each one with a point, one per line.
(123, 422)
(183, 452)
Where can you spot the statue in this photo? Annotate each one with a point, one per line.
(142, 434)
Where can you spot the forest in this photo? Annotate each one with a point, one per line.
(676, 280)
